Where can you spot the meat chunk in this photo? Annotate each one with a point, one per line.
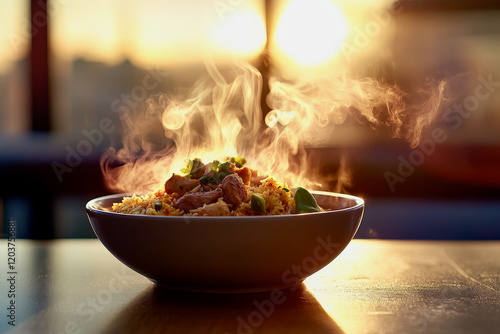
(245, 174)
(234, 189)
(255, 179)
(180, 184)
(218, 208)
(191, 201)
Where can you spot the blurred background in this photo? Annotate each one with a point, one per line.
(69, 68)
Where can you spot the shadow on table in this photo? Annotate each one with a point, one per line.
(158, 310)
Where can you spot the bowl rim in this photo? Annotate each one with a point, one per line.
(90, 207)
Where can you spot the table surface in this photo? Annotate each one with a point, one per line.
(374, 286)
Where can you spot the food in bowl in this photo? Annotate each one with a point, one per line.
(220, 189)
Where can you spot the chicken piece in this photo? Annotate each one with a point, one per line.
(191, 201)
(218, 208)
(245, 174)
(180, 184)
(234, 189)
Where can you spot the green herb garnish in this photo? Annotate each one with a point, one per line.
(218, 171)
(192, 167)
(237, 161)
(305, 201)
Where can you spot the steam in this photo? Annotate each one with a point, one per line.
(221, 116)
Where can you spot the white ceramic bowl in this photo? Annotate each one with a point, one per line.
(228, 254)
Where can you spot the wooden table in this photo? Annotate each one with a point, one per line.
(374, 286)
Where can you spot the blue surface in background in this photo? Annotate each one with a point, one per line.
(431, 219)
(383, 219)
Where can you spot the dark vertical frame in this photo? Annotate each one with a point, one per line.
(41, 201)
(39, 67)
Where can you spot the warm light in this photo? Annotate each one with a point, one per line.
(158, 33)
(15, 33)
(241, 33)
(87, 29)
(310, 31)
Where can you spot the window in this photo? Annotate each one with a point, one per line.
(14, 67)
(58, 116)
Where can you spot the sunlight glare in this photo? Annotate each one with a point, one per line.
(241, 33)
(310, 32)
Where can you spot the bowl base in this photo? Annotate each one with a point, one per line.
(230, 291)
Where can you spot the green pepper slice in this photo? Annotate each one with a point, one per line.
(258, 203)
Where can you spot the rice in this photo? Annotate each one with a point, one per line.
(278, 199)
